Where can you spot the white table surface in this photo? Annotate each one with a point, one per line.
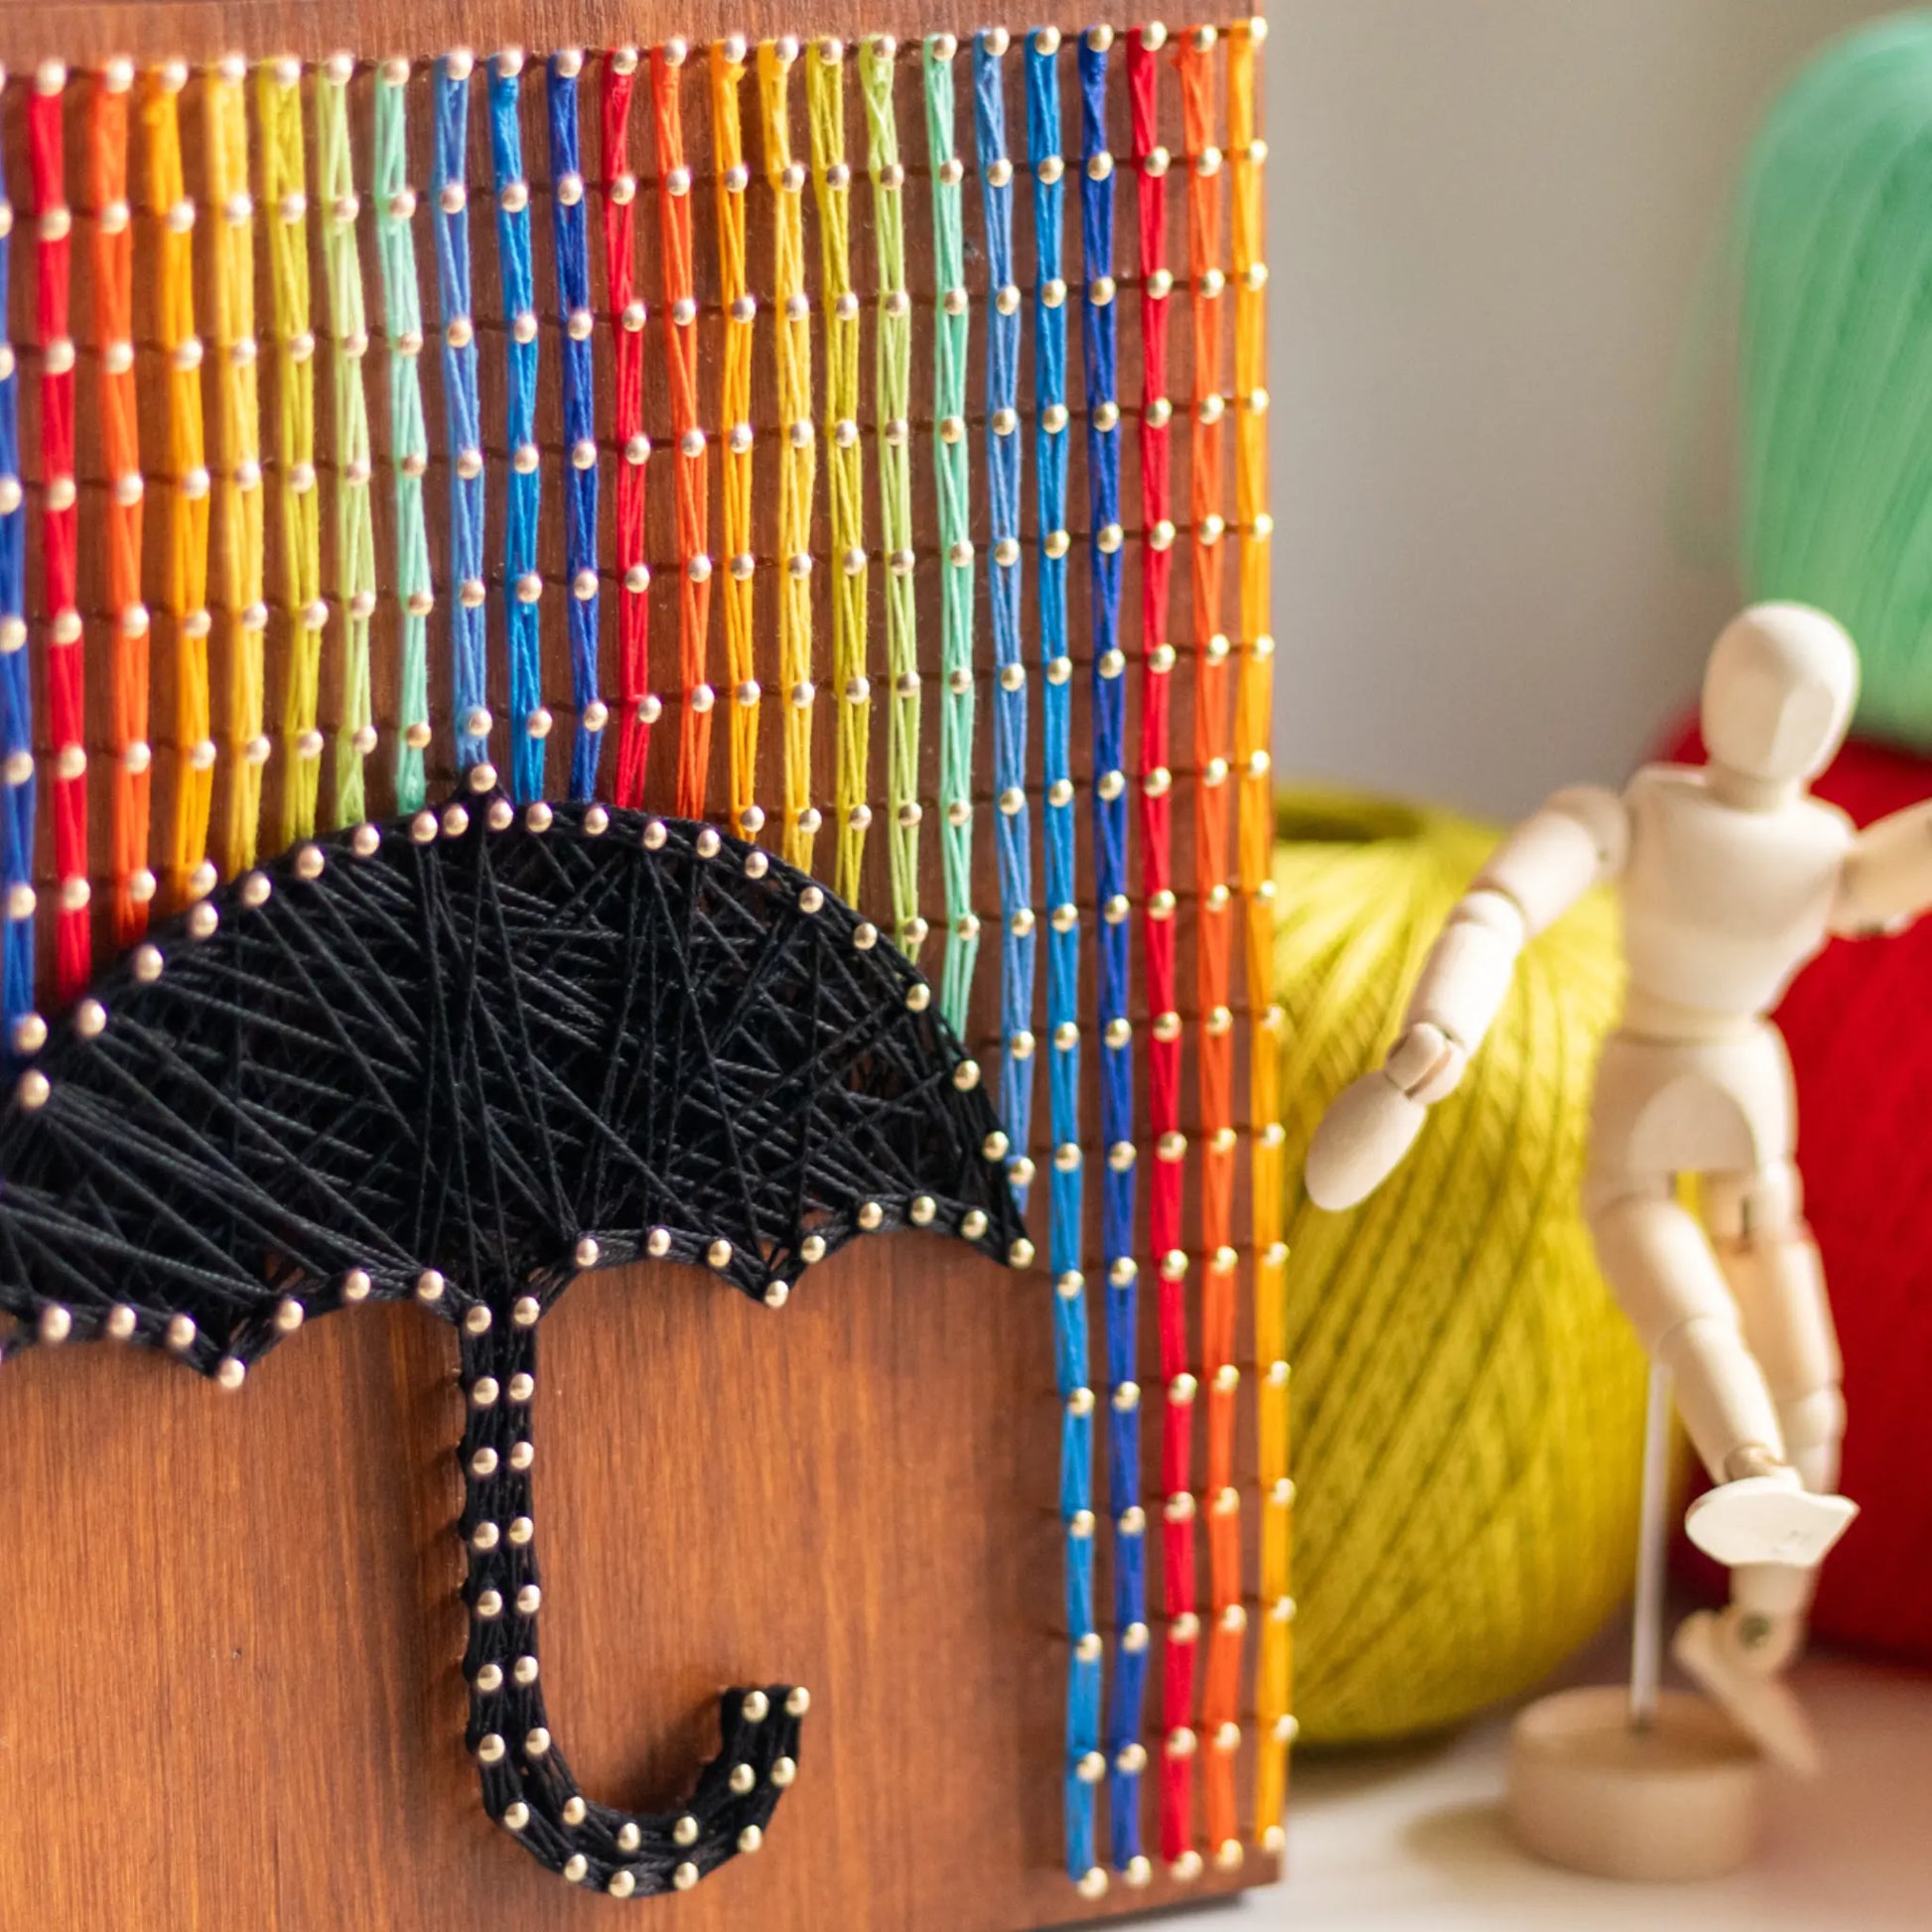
(1413, 1841)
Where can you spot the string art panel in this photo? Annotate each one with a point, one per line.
(408, 451)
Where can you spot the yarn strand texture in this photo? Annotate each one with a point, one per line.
(641, 704)
(284, 171)
(893, 387)
(66, 655)
(529, 722)
(1013, 825)
(1268, 1170)
(1108, 804)
(462, 414)
(17, 777)
(735, 413)
(402, 302)
(845, 460)
(120, 440)
(952, 484)
(1086, 1766)
(189, 873)
(681, 356)
(791, 343)
(570, 235)
(355, 531)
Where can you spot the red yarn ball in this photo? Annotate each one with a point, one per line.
(1858, 1022)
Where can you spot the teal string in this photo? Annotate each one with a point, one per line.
(408, 432)
(952, 481)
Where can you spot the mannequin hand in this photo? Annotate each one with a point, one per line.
(1373, 1121)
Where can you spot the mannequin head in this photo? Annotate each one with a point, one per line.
(1778, 693)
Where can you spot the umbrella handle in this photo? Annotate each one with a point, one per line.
(527, 1786)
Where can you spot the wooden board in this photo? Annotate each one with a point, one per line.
(235, 1705)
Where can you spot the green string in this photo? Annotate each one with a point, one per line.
(348, 324)
(895, 385)
(1834, 254)
(408, 432)
(952, 482)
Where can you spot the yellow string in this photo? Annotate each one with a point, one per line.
(286, 212)
(845, 457)
(797, 462)
(240, 525)
(1253, 696)
(735, 415)
(189, 874)
(348, 329)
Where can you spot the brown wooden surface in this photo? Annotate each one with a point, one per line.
(235, 1702)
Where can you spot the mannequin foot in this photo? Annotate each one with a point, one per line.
(1767, 1519)
(1716, 1648)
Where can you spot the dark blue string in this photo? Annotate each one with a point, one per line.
(1109, 709)
(468, 662)
(523, 493)
(17, 782)
(1062, 936)
(1003, 466)
(569, 224)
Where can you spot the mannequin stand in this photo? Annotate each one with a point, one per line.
(1648, 1784)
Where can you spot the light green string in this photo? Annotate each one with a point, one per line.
(348, 326)
(894, 385)
(952, 481)
(408, 433)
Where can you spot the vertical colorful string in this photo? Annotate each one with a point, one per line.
(1006, 593)
(25, 1029)
(1274, 1682)
(120, 449)
(681, 354)
(402, 304)
(570, 234)
(1222, 1686)
(349, 330)
(735, 412)
(797, 461)
(190, 874)
(463, 412)
(952, 482)
(284, 170)
(1100, 338)
(641, 704)
(226, 111)
(67, 694)
(1158, 964)
(529, 722)
(1086, 1766)
(845, 457)
(893, 387)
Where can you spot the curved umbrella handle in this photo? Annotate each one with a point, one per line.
(527, 1786)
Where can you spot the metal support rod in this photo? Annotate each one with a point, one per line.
(1653, 1533)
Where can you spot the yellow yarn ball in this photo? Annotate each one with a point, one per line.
(1468, 1397)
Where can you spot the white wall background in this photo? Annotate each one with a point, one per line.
(1486, 221)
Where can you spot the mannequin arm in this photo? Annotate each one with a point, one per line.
(1887, 879)
(1576, 840)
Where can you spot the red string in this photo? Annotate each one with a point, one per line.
(67, 701)
(1165, 1192)
(640, 705)
(681, 354)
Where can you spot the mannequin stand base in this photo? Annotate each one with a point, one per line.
(1678, 1800)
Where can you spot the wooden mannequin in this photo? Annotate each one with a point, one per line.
(1731, 878)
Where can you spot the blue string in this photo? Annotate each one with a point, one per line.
(523, 493)
(1109, 710)
(569, 224)
(468, 662)
(1062, 939)
(16, 784)
(1003, 465)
